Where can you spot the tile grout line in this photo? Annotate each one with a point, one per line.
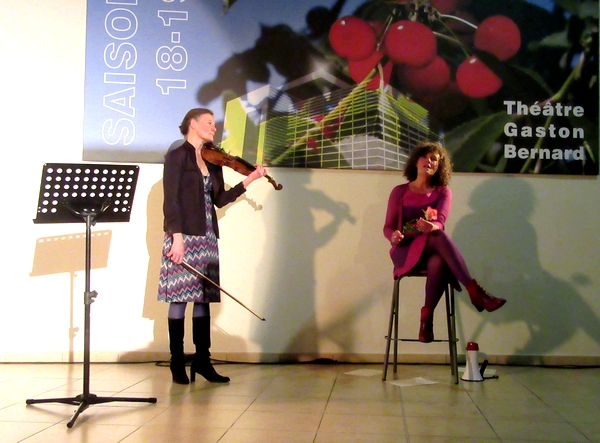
(248, 407)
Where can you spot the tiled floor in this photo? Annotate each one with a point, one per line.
(302, 403)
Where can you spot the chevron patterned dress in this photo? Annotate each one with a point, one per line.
(176, 284)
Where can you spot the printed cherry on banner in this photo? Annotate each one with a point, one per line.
(408, 49)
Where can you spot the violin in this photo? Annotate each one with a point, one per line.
(216, 156)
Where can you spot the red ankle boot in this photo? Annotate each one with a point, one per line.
(426, 329)
(481, 299)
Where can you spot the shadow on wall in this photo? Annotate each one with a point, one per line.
(289, 292)
(153, 309)
(369, 312)
(71, 248)
(551, 308)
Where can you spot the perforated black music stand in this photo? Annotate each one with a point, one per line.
(72, 193)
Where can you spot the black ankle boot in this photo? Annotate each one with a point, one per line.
(201, 364)
(177, 365)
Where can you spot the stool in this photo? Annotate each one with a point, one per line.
(450, 318)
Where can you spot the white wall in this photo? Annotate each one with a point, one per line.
(310, 258)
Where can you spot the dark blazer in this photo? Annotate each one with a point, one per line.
(183, 188)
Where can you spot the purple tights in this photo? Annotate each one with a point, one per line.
(177, 310)
(442, 257)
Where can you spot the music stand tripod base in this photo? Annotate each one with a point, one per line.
(83, 401)
(72, 193)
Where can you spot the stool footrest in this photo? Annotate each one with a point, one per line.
(416, 339)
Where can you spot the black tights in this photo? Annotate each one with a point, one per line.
(442, 257)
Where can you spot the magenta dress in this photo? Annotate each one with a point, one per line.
(404, 206)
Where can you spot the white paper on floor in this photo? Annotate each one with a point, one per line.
(364, 372)
(417, 381)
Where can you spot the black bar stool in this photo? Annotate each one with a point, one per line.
(393, 324)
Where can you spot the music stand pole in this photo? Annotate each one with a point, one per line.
(89, 211)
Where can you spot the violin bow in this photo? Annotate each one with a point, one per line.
(197, 273)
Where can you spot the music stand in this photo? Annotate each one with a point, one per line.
(71, 193)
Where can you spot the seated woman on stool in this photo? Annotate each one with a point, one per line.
(414, 225)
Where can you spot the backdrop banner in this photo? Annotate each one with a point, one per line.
(509, 86)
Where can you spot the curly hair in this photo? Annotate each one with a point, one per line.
(192, 114)
(444, 172)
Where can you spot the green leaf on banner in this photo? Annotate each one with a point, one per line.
(227, 4)
(590, 129)
(584, 9)
(469, 142)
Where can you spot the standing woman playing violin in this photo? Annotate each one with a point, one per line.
(192, 188)
(414, 225)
